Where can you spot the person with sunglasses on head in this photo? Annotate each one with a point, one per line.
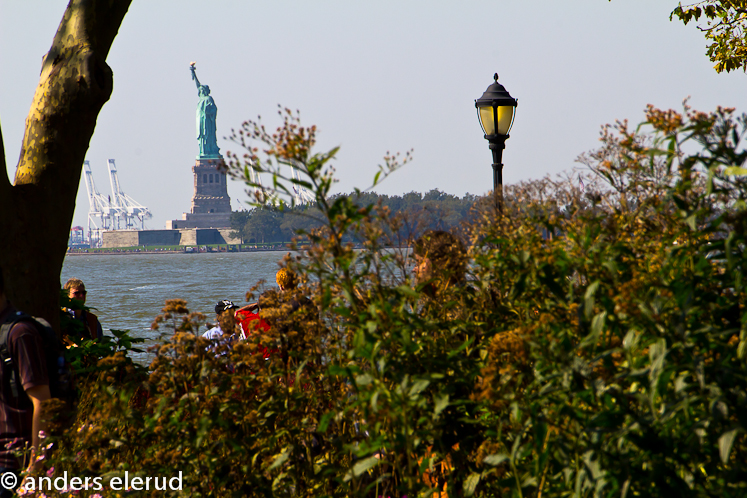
(224, 315)
(91, 327)
(225, 332)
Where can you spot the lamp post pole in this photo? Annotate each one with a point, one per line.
(496, 147)
(495, 109)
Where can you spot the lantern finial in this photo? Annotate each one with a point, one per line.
(495, 77)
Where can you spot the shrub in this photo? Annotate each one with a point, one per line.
(595, 347)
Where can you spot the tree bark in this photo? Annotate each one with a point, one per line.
(37, 210)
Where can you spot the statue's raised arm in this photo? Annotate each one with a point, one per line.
(194, 74)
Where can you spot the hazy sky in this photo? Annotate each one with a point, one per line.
(374, 77)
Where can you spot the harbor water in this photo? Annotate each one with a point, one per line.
(128, 291)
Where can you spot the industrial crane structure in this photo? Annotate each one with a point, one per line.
(99, 211)
(301, 195)
(112, 212)
(125, 208)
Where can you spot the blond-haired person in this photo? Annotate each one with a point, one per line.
(286, 279)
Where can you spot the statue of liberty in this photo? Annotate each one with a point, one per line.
(207, 111)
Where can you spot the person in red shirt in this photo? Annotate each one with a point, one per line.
(251, 323)
(248, 316)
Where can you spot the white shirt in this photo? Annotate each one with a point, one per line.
(213, 334)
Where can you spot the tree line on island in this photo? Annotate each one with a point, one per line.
(434, 210)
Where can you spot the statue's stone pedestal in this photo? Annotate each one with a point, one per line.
(189, 220)
(178, 237)
(211, 205)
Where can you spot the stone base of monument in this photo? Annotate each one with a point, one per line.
(210, 187)
(201, 220)
(182, 236)
(211, 205)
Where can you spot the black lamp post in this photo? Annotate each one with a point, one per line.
(496, 112)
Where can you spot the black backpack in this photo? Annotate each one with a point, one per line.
(61, 383)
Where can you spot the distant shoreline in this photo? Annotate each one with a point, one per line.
(209, 250)
(222, 249)
(216, 249)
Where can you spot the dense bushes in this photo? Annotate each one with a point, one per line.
(595, 348)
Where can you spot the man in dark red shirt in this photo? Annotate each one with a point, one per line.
(20, 417)
(90, 323)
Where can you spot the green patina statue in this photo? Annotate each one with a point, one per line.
(207, 112)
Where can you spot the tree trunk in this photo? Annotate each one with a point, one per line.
(37, 210)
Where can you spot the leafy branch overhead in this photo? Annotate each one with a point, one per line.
(724, 23)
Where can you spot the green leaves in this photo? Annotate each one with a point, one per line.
(496, 459)
(441, 402)
(589, 300)
(470, 484)
(735, 170)
(365, 465)
(279, 460)
(725, 444)
(725, 22)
